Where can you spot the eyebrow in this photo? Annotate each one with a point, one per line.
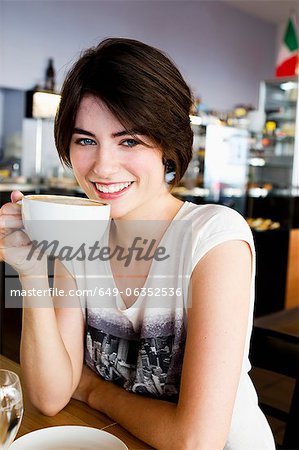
(117, 134)
(80, 131)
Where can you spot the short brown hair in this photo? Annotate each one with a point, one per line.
(142, 87)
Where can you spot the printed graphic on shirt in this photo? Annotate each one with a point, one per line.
(144, 365)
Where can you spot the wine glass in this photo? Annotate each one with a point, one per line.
(11, 407)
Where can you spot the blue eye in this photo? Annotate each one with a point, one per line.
(130, 142)
(85, 141)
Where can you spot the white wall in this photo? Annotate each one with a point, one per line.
(222, 52)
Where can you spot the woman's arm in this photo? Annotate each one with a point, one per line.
(51, 343)
(217, 325)
(52, 338)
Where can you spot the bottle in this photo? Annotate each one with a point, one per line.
(50, 76)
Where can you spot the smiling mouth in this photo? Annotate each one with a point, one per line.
(113, 187)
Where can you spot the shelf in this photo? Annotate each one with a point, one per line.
(281, 118)
(271, 166)
(278, 140)
(270, 104)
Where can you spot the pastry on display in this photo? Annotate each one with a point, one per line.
(261, 224)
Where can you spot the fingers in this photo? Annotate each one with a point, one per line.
(16, 196)
(11, 246)
(15, 239)
(15, 245)
(8, 221)
(10, 215)
(16, 250)
(11, 208)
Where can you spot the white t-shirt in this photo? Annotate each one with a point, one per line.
(141, 348)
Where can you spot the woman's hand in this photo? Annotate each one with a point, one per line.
(15, 245)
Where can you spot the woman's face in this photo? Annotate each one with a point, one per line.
(112, 165)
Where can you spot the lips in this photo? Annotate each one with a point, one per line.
(111, 190)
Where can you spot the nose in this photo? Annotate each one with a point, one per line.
(106, 163)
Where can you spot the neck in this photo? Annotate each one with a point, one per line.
(151, 225)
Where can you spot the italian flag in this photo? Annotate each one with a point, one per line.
(288, 57)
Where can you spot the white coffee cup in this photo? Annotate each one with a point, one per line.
(66, 221)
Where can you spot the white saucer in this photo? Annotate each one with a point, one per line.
(68, 438)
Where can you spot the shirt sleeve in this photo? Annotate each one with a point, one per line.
(218, 224)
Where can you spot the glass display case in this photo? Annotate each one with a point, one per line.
(273, 161)
(273, 175)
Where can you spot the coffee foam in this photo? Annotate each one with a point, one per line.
(64, 200)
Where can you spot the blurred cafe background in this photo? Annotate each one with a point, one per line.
(244, 118)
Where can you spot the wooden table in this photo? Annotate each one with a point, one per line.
(285, 321)
(75, 413)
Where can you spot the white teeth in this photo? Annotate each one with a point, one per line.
(112, 187)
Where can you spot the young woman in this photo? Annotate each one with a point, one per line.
(169, 365)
